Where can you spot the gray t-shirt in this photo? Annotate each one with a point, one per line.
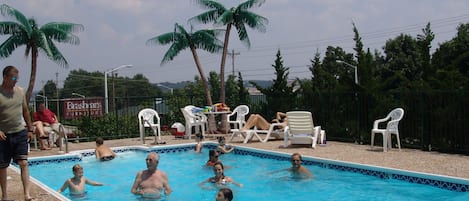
(11, 110)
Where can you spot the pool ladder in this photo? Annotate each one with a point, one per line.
(63, 139)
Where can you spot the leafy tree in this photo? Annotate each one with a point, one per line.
(237, 17)
(27, 32)
(214, 82)
(280, 96)
(74, 84)
(451, 62)
(424, 42)
(180, 39)
(243, 94)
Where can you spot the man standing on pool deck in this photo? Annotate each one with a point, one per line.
(150, 182)
(13, 135)
(297, 168)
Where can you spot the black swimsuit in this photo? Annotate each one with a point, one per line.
(107, 158)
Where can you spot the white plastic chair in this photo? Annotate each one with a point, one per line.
(149, 118)
(196, 120)
(392, 127)
(240, 119)
(300, 129)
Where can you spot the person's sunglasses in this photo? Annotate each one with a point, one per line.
(14, 78)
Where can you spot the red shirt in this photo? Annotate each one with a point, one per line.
(45, 116)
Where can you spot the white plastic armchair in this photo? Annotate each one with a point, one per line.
(196, 120)
(392, 127)
(149, 118)
(239, 120)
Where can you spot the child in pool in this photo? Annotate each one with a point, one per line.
(222, 147)
(76, 184)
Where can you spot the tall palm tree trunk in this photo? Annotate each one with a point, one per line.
(224, 123)
(32, 79)
(212, 124)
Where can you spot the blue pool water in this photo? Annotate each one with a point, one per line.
(186, 170)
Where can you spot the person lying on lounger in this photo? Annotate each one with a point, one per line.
(260, 123)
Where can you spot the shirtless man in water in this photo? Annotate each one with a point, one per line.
(103, 152)
(297, 168)
(151, 182)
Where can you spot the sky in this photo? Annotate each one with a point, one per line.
(116, 32)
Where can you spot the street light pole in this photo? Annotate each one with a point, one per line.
(106, 101)
(354, 68)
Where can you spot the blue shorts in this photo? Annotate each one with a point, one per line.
(14, 147)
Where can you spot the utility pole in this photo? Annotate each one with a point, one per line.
(232, 54)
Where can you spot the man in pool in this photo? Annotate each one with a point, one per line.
(297, 168)
(151, 182)
(103, 152)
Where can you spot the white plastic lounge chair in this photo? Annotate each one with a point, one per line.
(196, 120)
(300, 129)
(392, 127)
(240, 119)
(149, 118)
(249, 134)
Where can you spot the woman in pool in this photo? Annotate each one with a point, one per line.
(76, 184)
(224, 194)
(220, 178)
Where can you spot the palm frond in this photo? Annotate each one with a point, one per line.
(225, 18)
(60, 35)
(42, 42)
(162, 39)
(243, 34)
(210, 4)
(249, 4)
(6, 10)
(65, 26)
(172, 52)
(253, 20)
(55, 55)
(210, 16)
(10, 44)
(207, 40)
(206, 17)
(10, 28)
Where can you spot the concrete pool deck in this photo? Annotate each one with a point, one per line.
(407, 159)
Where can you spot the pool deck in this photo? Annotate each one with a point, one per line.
(407, 159)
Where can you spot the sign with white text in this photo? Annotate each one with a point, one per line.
(77, 107)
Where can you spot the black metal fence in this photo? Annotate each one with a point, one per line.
(433, 120)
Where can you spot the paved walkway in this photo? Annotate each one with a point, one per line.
(408, 159)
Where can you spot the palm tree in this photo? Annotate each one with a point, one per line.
(237, 17)
(25, 31)
(180, 39)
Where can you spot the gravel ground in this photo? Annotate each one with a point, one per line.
(407, 159)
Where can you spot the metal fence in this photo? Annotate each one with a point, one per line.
(433, 120)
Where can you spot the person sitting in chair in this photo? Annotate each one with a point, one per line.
(48, 118)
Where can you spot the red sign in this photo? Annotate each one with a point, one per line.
(76, 107)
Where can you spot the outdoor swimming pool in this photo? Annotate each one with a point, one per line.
(333, 180)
